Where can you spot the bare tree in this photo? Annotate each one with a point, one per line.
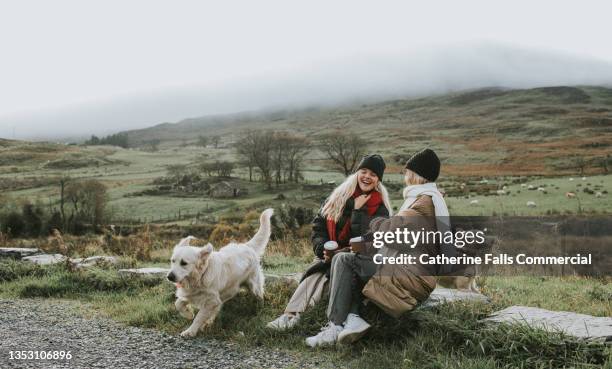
(580, 164)
(89, 199)
(343, 150)
(262, 156)
(208, 169)
(218, 168)
(246, 150)
(95, 199)
(255, 149)
(176, 171)
(277, 156)
(225, 168)
(280, 150)
(297, 148)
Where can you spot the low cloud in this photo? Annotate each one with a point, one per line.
(359, 78)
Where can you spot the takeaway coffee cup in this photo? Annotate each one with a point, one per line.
(330, 245)
(357, 245)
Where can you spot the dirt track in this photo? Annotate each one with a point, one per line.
(102, 343)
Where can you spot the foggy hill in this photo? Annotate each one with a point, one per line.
(356, 79)
(518, 130)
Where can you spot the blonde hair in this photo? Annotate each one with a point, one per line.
(334, 205)
(413, 179)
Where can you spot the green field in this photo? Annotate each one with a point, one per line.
(129, 172)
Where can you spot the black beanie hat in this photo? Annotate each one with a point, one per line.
(425, 163)
(375, 163)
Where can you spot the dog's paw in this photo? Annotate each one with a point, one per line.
(189, 333)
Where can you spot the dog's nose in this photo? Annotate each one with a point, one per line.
(171, 277)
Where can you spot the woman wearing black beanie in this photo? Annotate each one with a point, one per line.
(425, 210)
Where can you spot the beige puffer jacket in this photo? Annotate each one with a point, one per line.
(397, 289)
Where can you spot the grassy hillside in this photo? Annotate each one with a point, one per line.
(493, 131)
(488, 139)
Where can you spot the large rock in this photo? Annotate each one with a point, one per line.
(587, 327)
(442, 295)
(45, 259)
(16, 252)
(144, 272)
(94, 261)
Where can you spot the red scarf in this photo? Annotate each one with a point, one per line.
(371, 206)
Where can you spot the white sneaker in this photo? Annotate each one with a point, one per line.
(283, 322)
(354, 328)
(327, 337)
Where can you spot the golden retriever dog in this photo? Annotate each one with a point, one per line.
(206, 278)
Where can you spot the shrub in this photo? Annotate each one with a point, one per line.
(245, 229)
(89, 199)
(290, 246)
(13, 224)
(291, 221)
(55, 244)
(601, 293)
(32, 219)
(138, 246)
(54, 222)
(224, 233)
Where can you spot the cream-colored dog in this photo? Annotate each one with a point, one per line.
(206, 278)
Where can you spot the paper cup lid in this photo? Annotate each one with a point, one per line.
(330, 245)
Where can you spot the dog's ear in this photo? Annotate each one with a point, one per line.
(186, 241)
(203, 256)
(206, 251)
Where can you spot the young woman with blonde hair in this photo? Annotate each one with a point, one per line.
(345, 214)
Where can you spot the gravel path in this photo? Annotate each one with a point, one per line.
(103, 343)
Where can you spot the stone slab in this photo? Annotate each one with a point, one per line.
(94, 260)
(442, 295)
(45, 259)
(587, 327)
(144, 272)
(17, 252)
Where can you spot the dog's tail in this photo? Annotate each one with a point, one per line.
(261, 238)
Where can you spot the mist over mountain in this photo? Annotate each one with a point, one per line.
(361, 78)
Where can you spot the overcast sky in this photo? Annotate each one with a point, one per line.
(101, 66)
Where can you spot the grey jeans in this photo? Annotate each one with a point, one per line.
(349, 273)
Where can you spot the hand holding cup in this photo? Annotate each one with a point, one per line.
(329, 249)
(357, 245)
